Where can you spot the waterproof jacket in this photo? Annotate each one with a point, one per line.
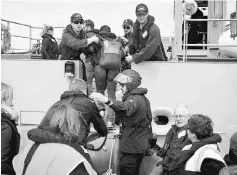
(41, 136)
(183, 156)
(135, 113)
(92, 49)
(175, 140)
(49, 47)
(71, 43)
(10, 143)
(146, 43)
(89, 110)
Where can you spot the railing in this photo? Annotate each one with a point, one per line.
(185, 39)
(30, 31)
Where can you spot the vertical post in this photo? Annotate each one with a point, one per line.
(30, 37)
(184, 34)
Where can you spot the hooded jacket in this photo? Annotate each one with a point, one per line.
(42, 136)
(183, 156)
(135, 113)
(72, 43)
(146, 43)
(49, 48)
(90, 112)
(93, 48)
(10, 143)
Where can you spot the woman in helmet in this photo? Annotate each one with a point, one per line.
(134, 112)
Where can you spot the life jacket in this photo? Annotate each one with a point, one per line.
(110, 53)
(208, 151)
(51, 159)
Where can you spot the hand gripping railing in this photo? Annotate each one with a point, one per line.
(30, 31)
(185, 32)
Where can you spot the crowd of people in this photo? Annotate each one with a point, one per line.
(59, 143)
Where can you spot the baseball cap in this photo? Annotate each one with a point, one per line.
(141, 9)
(128, 22)
(76, 16)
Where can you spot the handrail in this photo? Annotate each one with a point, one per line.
(197, 45)
(30, 32)
(211, 19)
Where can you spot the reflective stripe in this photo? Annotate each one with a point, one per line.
(208, 151)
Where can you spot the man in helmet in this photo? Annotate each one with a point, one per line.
(134, 112)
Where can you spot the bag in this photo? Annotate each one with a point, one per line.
(111, 55)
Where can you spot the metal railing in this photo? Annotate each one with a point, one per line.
(185, 39)
(30, 31)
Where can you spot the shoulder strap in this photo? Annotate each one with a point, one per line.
(29, 156)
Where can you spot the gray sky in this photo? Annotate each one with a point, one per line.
(58, 12)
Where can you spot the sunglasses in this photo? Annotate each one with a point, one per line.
(78, 22)
(126, 27)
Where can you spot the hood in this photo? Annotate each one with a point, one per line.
(70, 30)
(150, 21)
(107, 35)
(68, 94)
(137, 91)
(186, 154)
(48, 36)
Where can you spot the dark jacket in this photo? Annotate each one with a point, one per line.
(93, 48)
(135, 113)
(173, 145)
(146, 43)
(89, 111)
(49, 48)
(42, 136)
(184, 156)
(10, 143)
(72, 43)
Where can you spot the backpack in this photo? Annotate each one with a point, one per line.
(111, 54)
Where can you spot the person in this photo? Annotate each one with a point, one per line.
(90, 57)
(49, 47)
(231, 158)
(74, 41)
(195, 27)
(203, 155)
(78, 99)
(74, 38)
(10, 138)
(134, 113)
(56, 148)
(104, 78)
(146, 43)
(175, 141)
(128, 30)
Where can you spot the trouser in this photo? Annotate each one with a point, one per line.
(104, 79)
(90, 74)
(130, 163)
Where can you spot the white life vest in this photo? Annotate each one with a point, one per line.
(208, 151)
(51, 159)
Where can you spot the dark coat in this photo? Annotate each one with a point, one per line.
(72, 43)
(173, 145)
(89, 110)
(146, 43)
(10, 143)
(184, 156)
(41, 136)
(135, 113)
(49, 48)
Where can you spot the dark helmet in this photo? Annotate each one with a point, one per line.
(130, 78)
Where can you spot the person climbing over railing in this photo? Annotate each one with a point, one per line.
(49, 48)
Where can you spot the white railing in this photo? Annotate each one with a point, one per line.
(185, 39)
(30, 31)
